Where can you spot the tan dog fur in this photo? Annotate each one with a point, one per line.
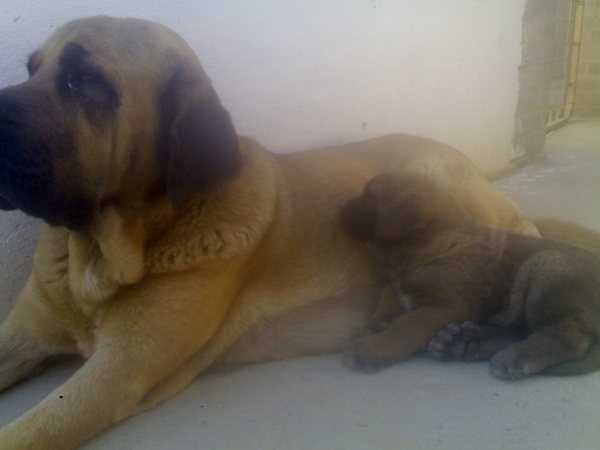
(162, 277)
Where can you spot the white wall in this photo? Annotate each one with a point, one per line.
(303, 73)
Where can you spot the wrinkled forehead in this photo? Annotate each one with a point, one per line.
(114, 42)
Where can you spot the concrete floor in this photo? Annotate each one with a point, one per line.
(317, 403)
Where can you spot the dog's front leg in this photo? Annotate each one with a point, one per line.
(29, 336)
(147, 334)
(99, 394)
(109, 387)
(21, 355)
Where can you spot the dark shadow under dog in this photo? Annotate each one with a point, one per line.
(466, 291)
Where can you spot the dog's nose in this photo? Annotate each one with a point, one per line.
(9, 124)
(18, 165)
(11, 107)
(11, 113)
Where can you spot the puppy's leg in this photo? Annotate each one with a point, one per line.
(408, 334)
(468, 341)
(389, 307)
(542, 349)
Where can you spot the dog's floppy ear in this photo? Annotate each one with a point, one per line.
(409, 212)
(200, 140)
(358, 216)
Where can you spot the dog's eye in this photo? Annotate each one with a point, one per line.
(84, 82)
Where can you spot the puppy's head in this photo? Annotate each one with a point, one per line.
(114, 110)
(392, 207)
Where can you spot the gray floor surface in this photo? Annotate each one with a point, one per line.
(317, 403)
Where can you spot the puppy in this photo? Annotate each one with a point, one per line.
(538, 300)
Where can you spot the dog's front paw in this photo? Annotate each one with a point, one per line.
(453, 341)
(362, 356)
(512, 363)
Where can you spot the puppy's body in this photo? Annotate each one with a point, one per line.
(174, 245)
(449, 268)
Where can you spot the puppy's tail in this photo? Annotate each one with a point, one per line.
(561, 230)
(589, 363)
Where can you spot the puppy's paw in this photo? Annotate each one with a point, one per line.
(512, 364)
(453, 342)
(363, 357)
(375, 326)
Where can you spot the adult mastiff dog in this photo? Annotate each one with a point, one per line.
(172, 245)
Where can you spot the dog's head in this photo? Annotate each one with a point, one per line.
(114, 109)
(392, 208)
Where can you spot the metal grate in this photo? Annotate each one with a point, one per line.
(564, 62)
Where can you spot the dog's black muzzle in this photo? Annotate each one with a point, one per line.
(32, 138)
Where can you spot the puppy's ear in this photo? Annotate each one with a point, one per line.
(199, 137)
(359, 216)
(403, 217)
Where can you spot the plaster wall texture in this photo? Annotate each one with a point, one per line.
(306, 73)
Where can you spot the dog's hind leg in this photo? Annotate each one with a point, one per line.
(542, 349)
(554, 296)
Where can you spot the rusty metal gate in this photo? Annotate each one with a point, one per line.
(565, 58)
